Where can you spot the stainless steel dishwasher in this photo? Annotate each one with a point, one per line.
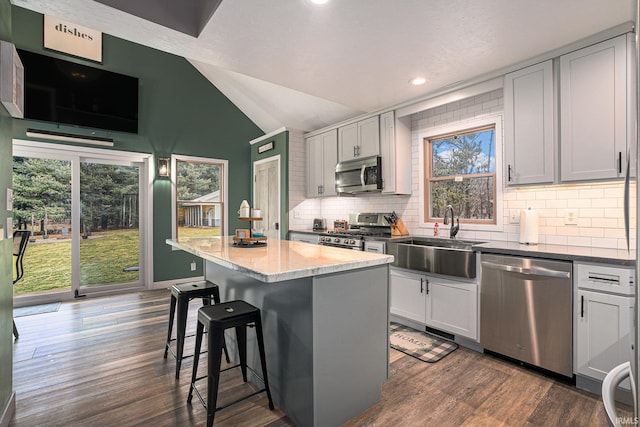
(526, 311)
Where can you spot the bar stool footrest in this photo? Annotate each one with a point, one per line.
(218, 408)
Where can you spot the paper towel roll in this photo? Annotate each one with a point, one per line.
(529, 224)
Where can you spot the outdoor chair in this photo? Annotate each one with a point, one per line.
(20, 240)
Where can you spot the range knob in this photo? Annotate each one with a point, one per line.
(336, 240)
(353, 242)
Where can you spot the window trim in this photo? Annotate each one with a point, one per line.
(468, 130)
(225, 190)
(495, 120)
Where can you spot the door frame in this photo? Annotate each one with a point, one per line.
(253, 195)
(67, 152)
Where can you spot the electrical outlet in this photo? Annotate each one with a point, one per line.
(297, 214)
(514, 216)
(193, 266)
(571, 217)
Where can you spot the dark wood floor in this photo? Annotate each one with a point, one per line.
(98, 362)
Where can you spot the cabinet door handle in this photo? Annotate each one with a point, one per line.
(427, 280)
(354, 151)
(509, 173)
(581, 305)
(619, 161)
(358, 150)
(421, 285)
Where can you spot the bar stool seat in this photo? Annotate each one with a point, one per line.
(216, 319)
(181, 294)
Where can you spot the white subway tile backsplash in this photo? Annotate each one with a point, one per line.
(598, 206)
(591, 232)
(604, 243)
(597, 193)
(604, 222)
(556, 240)
(579, 241)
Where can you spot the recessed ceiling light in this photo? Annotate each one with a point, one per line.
(319, 1)
(418, 81)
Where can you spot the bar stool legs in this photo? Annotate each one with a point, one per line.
(218, 318)
(263, 360)
(181, 295)
(172, 312)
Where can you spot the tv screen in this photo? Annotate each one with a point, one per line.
(67, 93)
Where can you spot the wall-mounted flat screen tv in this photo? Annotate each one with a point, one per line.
(68, 93)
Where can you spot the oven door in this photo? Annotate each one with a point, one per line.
(357, 176)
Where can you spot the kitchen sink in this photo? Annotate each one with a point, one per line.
(439, 256)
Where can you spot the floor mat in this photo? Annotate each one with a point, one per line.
(420, 345)
(36, 309)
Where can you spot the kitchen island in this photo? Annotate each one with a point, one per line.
(325, 314)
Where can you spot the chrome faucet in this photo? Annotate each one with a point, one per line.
(448, 211)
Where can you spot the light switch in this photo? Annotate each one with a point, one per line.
(9, 227)
(9, 199)
(1, 232)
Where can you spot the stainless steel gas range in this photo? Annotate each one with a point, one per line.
(364, 229)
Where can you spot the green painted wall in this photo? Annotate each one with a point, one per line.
(280, 147)
(6, 247)
(180, 112)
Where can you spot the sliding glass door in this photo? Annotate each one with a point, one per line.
(109, 224)
(86, 211)
(42, 205)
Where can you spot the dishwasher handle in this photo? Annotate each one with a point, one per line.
(535, 271)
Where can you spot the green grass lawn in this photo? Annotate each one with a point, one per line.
(47, 264)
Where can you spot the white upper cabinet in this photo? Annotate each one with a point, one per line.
(321, 164)
(395, 153)
(529, 119)
(360, 139)
(593, 111)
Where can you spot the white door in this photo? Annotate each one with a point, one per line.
(266, 196)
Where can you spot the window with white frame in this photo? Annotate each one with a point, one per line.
(199, 194)
(460, 170)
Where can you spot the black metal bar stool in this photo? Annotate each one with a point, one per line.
(181, 295)
(216, 318)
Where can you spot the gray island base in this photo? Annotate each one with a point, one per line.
(326, 329)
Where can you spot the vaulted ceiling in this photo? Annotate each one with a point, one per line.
(304, 66)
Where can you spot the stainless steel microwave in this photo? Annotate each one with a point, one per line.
(360, 175)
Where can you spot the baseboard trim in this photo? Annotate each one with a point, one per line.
(165, 284)
(8, 411)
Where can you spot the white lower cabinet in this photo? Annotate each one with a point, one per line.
(604, 325)
(408, 295)
(444, 304)
(603, 320)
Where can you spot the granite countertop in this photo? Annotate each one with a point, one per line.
(560, 252)
(279, 260)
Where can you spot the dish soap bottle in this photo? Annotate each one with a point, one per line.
(435, 230)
